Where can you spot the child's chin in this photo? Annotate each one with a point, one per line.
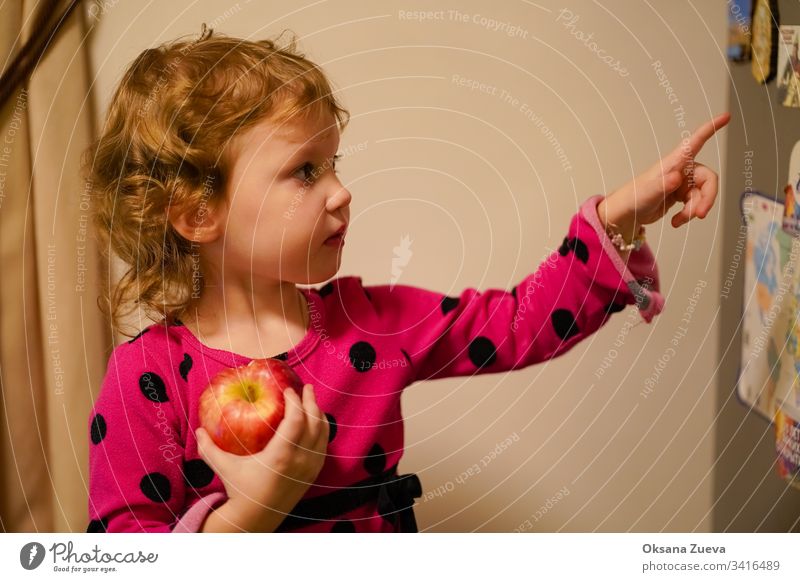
(320, 276)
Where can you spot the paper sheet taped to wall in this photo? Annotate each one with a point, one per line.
(769, 372)
(770, 358)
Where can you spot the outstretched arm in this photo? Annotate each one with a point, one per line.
(567, 298)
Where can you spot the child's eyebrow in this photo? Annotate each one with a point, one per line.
(306, 151)
(305, 148)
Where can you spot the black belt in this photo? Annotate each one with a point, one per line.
(394, 495)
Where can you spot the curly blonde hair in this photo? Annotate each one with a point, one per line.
(163, 145)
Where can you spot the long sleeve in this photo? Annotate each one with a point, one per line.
(571, 295)
(136, 480)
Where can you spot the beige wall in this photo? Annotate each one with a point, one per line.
(483, 194)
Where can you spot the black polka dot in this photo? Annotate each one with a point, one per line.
(138, 335)
(153, 388)
(375, 461)
(564, 324)
(283, 356)
(185, 366)
(482, 351)
(326, 289)
(98, 526)
(362, 356)
(156, 487)
(449, 304)
(614, 308)
(197, 474)
(333, 426)
(98, 431)
(343, 526)
(577, 246)
(581, 250)
(564, 248)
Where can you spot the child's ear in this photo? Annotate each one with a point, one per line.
(200, 224)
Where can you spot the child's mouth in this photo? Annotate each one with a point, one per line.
(336, 240)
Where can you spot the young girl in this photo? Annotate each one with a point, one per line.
(216, 184)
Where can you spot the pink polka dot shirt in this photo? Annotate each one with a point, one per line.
(363, 346)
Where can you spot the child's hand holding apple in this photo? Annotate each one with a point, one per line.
(269, 482)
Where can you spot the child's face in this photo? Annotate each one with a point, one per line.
(283, 201)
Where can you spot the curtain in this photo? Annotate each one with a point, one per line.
(54, 341)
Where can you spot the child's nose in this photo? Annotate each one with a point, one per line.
(339, 198)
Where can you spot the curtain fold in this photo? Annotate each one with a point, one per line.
(53, 339)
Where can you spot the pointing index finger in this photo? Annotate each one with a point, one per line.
(691, 147)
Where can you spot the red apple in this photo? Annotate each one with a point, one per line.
(241, 407)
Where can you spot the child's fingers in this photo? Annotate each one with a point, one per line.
(315, 420)
(708, 180)
(209, 452)
(700, 198)
(689, 210)
(690, 147)
(321, 443)
(291, 428)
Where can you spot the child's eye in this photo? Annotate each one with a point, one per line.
(309, 173)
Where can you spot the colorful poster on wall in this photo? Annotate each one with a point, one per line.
(769, 376)
(770, 364)
(763, 40)
(788, 81)
(791, 192)
(787, 445)
(739, 12)
(767, 253)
